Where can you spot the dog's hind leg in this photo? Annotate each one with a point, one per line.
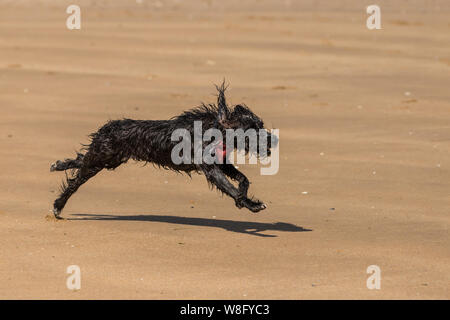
(215, 176)
(82, 175)
(68, 164)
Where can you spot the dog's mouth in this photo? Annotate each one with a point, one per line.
(260, 151)
(259, 147)
(221, 151)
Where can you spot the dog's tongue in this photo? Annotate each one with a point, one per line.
(221, 150)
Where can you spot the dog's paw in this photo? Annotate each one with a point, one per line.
(258, 207)
(254, 205)
(57, 213)
(54, 166)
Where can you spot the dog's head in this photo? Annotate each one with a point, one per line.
(247, 126)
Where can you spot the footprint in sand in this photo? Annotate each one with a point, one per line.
(15, 66)
(282, 88)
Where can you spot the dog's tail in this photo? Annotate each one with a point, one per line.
(67, 164)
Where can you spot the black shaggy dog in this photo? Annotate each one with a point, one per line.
(150, 141)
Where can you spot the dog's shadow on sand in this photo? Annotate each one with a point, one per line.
(251, 228)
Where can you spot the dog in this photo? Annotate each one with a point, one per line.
(118, 141)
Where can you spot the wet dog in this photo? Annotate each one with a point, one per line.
(151, 141)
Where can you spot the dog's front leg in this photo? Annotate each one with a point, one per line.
(216, 177)
(238, 176)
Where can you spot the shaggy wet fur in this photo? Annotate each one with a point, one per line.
(150, 140)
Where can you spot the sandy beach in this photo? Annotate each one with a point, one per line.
(364, 177)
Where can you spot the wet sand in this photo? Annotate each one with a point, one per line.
(364, 173)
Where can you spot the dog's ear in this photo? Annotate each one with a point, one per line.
(223, 112)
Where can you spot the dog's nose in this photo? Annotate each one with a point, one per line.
(273, 140)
